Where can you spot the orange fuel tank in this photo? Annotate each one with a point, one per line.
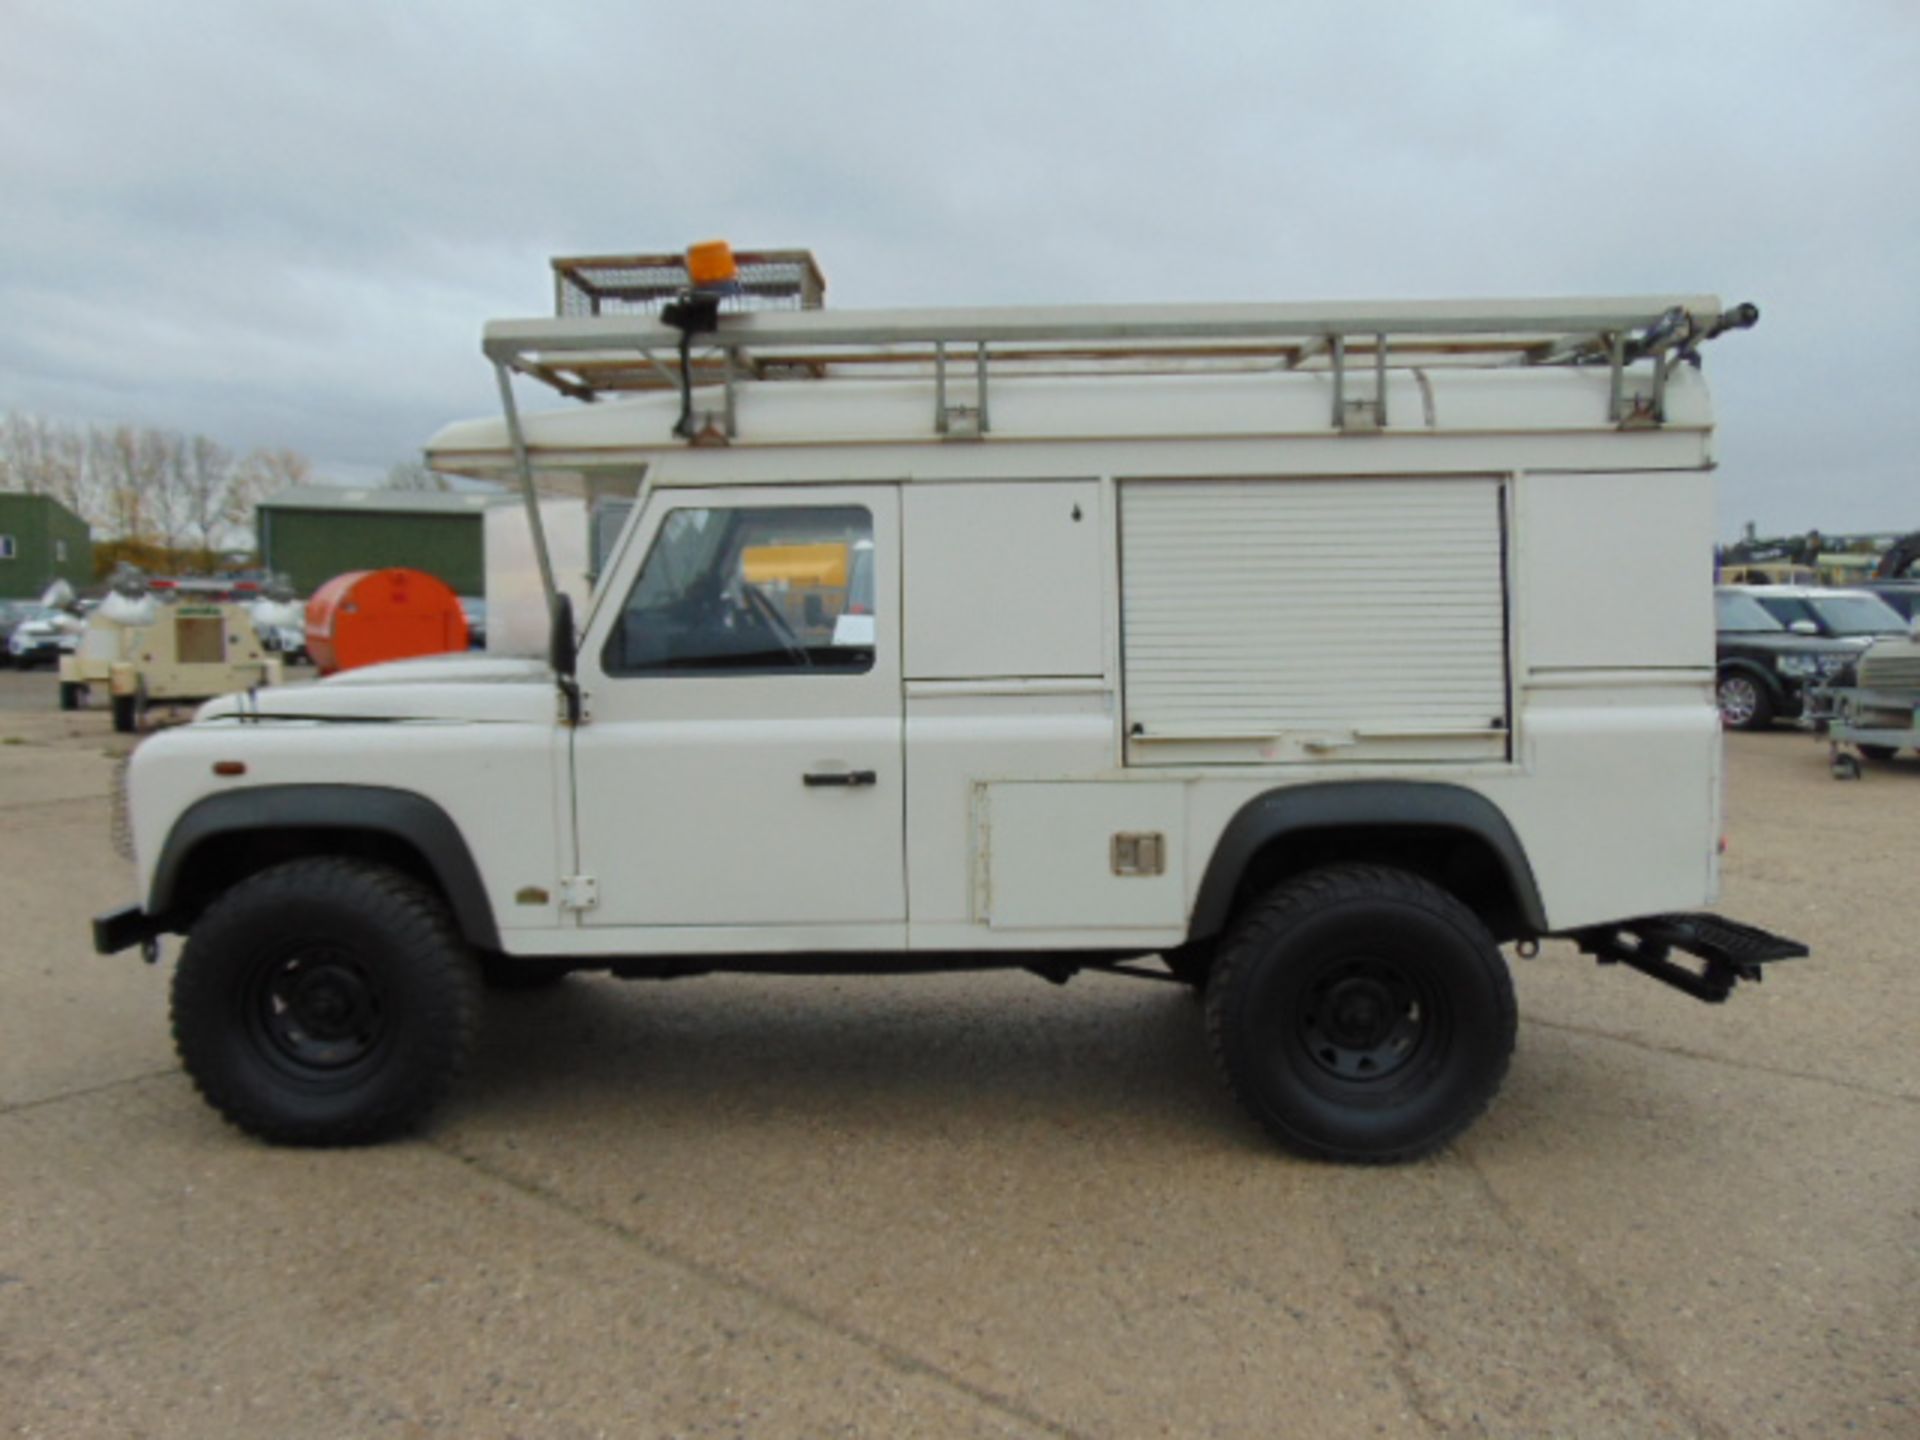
(366, 616)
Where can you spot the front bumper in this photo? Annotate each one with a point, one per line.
(126, 927)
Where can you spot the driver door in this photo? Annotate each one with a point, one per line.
(742, 761)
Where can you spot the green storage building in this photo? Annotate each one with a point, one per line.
(314, 532)
(41, 541)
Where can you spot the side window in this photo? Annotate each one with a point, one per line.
(1784, 608)
(748, 591)
(6, 547)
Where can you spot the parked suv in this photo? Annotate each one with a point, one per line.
(1764, 668)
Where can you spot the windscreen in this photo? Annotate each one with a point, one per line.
(1857, 615)
(1743, 615)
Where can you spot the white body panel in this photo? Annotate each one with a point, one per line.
(1003, 581)
(495, 762)
(1572, 520)
(994, 717)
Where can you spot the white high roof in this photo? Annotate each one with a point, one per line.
(405, 502)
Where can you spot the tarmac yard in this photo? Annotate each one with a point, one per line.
(977, 1205)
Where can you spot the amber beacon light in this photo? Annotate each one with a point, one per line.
(710, 265)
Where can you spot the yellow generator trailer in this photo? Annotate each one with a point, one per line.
(147, 651)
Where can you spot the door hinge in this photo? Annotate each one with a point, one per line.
(579, 892)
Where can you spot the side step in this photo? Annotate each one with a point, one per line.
(1733, 952)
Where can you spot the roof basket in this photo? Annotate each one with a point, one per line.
(640, 284)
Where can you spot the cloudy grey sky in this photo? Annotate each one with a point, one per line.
(284, 223)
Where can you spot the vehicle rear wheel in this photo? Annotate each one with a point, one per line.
(70, 693)
(325, 1001)
(1744, 702)
(1361, 1013)
(126, 714)
(1881, 753)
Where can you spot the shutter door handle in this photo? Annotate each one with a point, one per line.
(849, 778)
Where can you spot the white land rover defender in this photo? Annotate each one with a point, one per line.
(1260, 639)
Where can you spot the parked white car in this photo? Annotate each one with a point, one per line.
(41, 637)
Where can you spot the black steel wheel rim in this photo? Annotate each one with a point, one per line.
(1363, 1021)
(314, 1010)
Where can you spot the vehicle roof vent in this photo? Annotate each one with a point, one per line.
(641, 284)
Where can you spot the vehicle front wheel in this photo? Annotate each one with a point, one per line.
(71, 693)
(1744, 702)
(126, 714)
(325, 1001)
(1361, 1013)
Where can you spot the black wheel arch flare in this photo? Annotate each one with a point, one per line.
(1385, 809)
(400, 816)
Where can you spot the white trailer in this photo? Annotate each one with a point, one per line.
(1281, 642)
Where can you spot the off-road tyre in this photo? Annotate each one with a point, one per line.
(325, 1001)
(70, 693)
(126, 714)
(1362, 1014)
(1744, 702)
(508, 972)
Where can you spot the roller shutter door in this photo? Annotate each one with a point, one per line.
(1313, 621)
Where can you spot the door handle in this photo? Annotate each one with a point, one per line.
(814, 778)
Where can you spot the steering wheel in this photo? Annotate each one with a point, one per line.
(777, 623)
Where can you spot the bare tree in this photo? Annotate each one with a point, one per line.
(17, 468)
(114, 455)
(412, 475)
(43, 457)
(164, 472)
(68, 481)
(207, 491)
(266, 471)
(141, 483)
(263, 473)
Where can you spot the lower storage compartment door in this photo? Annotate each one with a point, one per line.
(1098, 855)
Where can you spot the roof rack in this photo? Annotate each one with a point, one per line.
(642, 284)
(624, 342)
(588, 356)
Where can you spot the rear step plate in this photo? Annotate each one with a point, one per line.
(1733, 952)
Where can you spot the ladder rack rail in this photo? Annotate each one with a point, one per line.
(589, 356)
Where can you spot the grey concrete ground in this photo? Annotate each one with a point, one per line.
(976, 1205)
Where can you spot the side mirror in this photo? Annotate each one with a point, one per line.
(563, 647)
(1804, 627)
